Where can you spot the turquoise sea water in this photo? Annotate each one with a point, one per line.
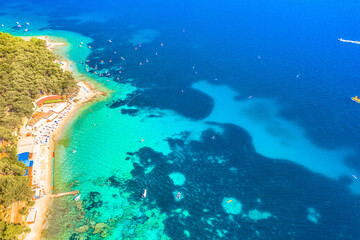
(242, 107)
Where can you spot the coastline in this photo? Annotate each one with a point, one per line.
(87, 94)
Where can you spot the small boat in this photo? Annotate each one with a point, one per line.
(178, 195)
(74, 151)
(356, 99)
(77, 198)
(144, 194)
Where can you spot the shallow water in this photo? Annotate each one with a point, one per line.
(276, 165)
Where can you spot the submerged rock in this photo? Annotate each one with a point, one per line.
(313, 215)
(231, 205)
(105, 233)
(178, 178)
(78, 205)
(257, 215)
(99, 227)
(82, 229)
(92, 223)
(111, 222)
(94, 201)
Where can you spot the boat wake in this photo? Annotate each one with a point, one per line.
(349, 41)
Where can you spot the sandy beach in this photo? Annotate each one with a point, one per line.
(44, 146)
(49, 44)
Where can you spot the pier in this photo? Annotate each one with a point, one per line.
(64, 194)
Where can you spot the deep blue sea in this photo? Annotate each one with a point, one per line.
(244, 107)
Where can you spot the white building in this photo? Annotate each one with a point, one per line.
(59, 108)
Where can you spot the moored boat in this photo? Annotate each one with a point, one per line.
(77, 198)
(144, 194)
(356, 99)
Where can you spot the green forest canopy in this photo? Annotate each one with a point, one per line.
(27, 69)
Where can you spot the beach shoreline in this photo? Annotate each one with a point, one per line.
(87, 94)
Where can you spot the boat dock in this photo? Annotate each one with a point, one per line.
(64, 194)
(349, 41)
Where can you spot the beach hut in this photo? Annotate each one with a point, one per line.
(32, 216)
(37, 193)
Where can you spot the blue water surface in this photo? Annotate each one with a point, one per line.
(244, 107)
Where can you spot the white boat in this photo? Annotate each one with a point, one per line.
(144, 194)
(77, 198)
(348, 41)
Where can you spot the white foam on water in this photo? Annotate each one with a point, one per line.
(273, 136)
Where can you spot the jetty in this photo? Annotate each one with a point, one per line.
(349, 41)
(64, 194)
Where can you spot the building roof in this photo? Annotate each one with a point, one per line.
(52, 116)
(38, 116)
(60, 107)
(47, 98)
(23, 156)
(40, 122)
(32, 216)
